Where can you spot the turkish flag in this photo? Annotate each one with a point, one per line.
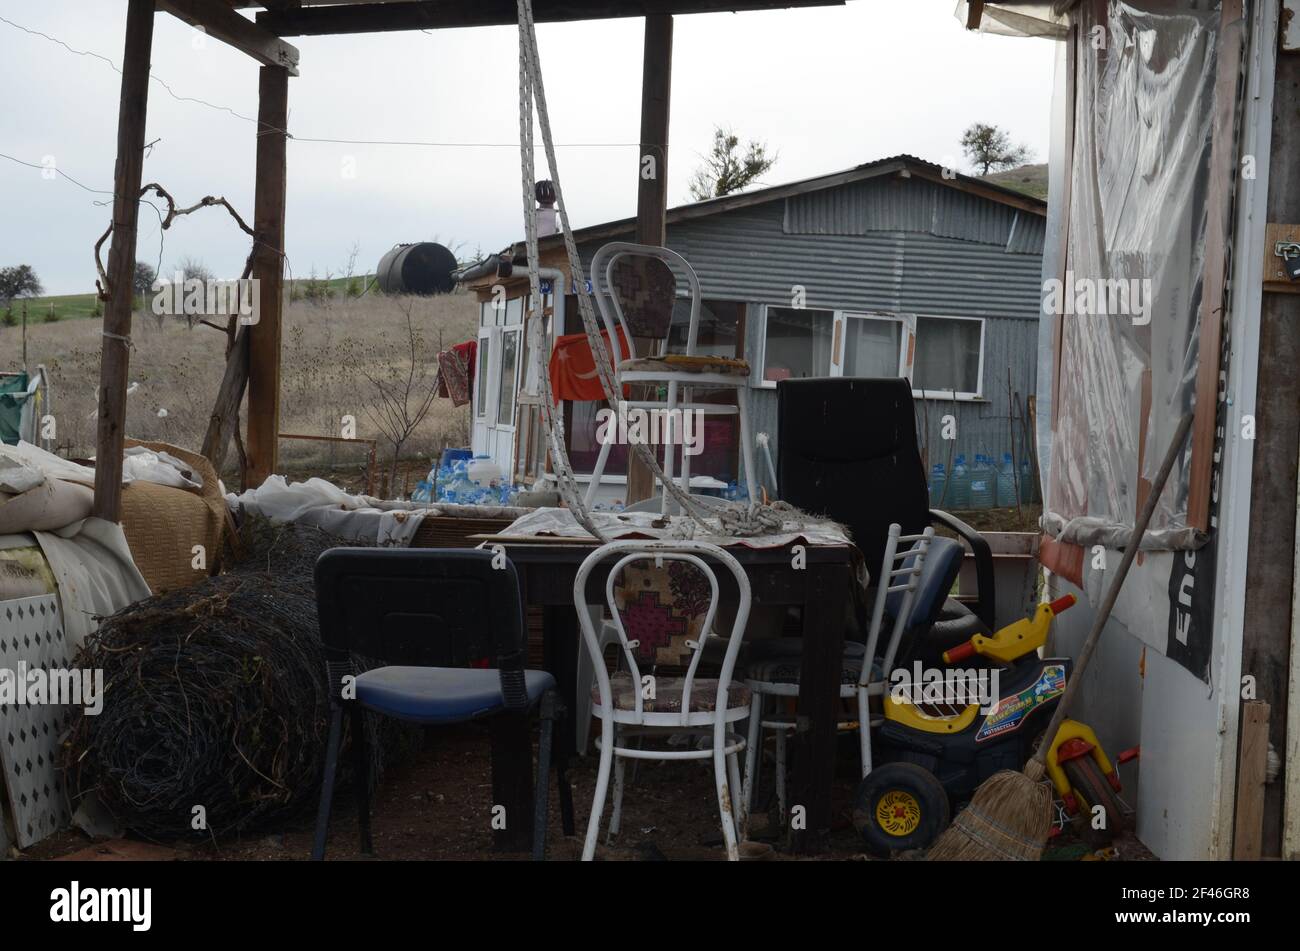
(573, 368)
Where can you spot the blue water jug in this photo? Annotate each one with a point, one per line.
(1006, 483)
(981, 483)
(1027, 486)
(959, 486)
(938, 478)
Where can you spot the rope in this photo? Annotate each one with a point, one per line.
(736, 519)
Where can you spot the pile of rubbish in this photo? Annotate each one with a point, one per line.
(215, 697)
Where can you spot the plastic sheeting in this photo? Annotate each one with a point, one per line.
(1136, 231)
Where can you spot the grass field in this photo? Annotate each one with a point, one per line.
(80, 306)
(337, 354)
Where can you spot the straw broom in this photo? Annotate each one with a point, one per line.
(1010, 815)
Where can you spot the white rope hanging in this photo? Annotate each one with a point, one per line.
(735, 519)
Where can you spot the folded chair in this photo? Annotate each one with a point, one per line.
(635, 288)
(663, 598)
(428, 613)
(915, 574)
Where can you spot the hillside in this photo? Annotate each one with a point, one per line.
(1028, 179)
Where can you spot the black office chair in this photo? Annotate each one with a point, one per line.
(847, 448)
(431, 611)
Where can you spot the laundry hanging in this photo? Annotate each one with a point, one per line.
(574, 376)
(456, 372)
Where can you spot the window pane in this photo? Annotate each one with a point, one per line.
(947, 355)
(872, 347)
(719, 325)
(481, 408)
(506, 384)
(514, 311)
(798, 343)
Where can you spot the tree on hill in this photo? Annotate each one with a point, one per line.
(727, 168)
(989, 148)
(18, 281)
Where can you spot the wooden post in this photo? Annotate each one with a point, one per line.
(652, 185)
(268, 270)
(1271, 563)
(115, 352)
(1252, 763)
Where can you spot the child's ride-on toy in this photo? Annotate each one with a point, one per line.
(938, 753)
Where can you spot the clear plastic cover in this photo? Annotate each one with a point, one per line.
(1132, 287)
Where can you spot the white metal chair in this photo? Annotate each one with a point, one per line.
(666, 593)
(639, 299)
(896, 589)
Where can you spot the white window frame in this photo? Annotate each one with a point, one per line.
(839, 336)
(485, 408)
(960, 396)
(499, 344)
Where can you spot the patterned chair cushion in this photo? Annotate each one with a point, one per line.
(646, 291)
(668, 694)
(662, 608)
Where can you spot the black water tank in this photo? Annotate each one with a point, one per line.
(423, 268)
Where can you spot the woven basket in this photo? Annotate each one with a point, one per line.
(163, 524)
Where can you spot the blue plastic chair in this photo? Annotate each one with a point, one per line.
(427, 613)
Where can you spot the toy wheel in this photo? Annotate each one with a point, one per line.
(1091, 790)
(900, 806)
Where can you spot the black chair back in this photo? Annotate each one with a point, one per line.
(846, 448)
(423, 607)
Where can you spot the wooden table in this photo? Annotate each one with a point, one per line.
(820, 587)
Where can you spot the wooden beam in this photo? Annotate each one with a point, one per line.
(1223, 160)
(268, 270)
(442, 14)
(222, 23)
(1252, 762)
(974, 14)
(115, 348)
(1271, 560)
(652, 186)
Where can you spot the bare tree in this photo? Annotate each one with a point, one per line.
(404, 392)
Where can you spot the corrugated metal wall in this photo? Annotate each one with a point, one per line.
(898, 246)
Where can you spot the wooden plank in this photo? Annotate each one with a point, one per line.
(1271, 560)
(652, 192)
(442, 14)
(1214, 275)
(974, 14)
(268, 270)
(221, 22)
(115, 351)
(1252, 761)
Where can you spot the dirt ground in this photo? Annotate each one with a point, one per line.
(436, 805)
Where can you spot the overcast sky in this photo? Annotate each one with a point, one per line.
(825, 88)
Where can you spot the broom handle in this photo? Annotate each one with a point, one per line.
(1112, 593)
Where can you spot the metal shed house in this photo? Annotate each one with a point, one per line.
(897, 267)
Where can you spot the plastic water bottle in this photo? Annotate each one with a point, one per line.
(959, 486)
(981, 483)
(1006, 483)
(938, 478)
(1026, 482)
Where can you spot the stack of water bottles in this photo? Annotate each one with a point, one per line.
(461, 478)
(983, 485)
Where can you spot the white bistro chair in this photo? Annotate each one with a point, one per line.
(896, 589)
(635, 287)
(663, 599)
